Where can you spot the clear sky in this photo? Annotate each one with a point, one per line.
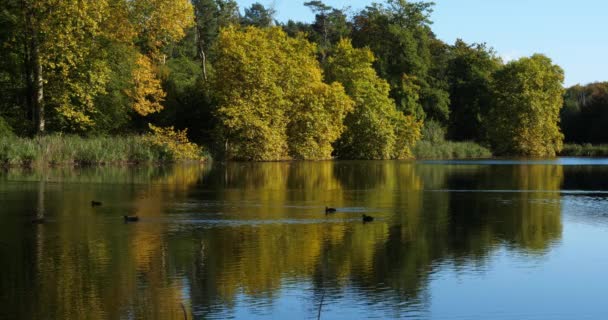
(573, 33)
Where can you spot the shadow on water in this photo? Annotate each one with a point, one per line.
(245, 239)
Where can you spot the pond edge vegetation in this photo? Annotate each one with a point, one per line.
(82, 89)
(163, 146)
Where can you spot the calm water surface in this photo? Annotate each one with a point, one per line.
(451, 240)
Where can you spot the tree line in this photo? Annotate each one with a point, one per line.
(354, 85)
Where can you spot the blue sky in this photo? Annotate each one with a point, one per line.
(573, 33)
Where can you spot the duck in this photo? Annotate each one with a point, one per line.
(96, 203)
(131, 218)
(367, 218)
(330, 210)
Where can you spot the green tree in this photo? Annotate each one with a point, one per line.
(293, 28)
(13, 84)
(329, 27)
(375, 129)
(585, 113)
(210, 16)
(470, 68)
(258, 16)
(114, 107)
(524, 117)
(64, 61)
(400, 37)
(272, 103)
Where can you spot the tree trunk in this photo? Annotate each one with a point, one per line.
(29, 81)
(201, 50)
(200, 45)
(38, 85)
(204, 62)
(33, 70)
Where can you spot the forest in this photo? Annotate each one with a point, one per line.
(155, 80)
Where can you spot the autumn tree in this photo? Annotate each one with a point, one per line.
(160, 22)
(524, 117)
(316, 120)
(157, 24)
(375, 129)
(68, 49)
(64, 61)
(273, 104)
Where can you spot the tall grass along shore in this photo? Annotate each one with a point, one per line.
(584, 150)
(79, 151)
(450, 150)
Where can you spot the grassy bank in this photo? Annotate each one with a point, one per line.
(75, 150)
(584, 150)
(56, 150)
(450, 150)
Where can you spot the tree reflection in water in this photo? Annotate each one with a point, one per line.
(211, 236)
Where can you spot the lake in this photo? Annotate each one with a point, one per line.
(497, 239)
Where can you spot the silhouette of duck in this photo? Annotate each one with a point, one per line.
(367, 218)
(96, 203)
(330, 210)
(131, 218)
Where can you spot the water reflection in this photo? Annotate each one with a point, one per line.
(245, 239)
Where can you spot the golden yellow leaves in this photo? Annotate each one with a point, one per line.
(176, 142)
(147, 93)
(160, 22)
(273, 104)
(317, 120)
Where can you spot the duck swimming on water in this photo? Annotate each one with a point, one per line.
(131, 218)
(330, 210)
(95, 203)
(367, 218)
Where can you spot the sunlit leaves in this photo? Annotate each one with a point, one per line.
(273, 104)
(160, 22)
(524, 119)
(73, 66)
(176, 141)
(375, 129)
(317, 120)
(398, 33)
(147, 93)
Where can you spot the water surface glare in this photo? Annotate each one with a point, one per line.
(489, 239)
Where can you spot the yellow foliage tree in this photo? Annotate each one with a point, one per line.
(314, 126)
(160, 22)
(65, 60)
(524, 118)
(66, 51)
(273, 104)
(176, 142)
(147, 93)
(375, 129)
(149, 25)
